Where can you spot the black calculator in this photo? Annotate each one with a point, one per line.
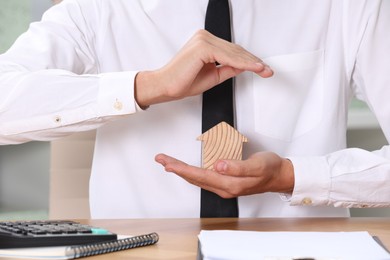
(16, 234)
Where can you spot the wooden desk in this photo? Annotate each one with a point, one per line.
(178, 237)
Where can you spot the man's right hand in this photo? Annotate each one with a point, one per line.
(193, 70)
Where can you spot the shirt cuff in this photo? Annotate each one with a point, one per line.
(312, 181)
(116, 94)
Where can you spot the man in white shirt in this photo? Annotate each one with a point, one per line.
(98, 64)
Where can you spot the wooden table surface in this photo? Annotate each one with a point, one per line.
(178, 237)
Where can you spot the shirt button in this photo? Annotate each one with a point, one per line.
(57, 119)
(118, 105)
(307, 201)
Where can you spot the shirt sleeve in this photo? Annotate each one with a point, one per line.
(347, 178)
(51, 83)
(355, 177)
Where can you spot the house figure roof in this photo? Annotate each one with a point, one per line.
(221, 142)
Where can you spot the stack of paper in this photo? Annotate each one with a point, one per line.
(245, 245)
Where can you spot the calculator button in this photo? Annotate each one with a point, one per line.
(99, 231)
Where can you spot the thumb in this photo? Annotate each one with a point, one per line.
(231, 167)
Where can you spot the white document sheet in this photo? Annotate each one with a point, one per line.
(247, 245)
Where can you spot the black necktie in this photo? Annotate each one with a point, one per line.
(218, 107)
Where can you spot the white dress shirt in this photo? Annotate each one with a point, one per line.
(75, 71)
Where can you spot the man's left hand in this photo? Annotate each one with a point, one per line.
(262, 172)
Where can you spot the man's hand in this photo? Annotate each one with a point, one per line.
(262, 172)
(193, 70)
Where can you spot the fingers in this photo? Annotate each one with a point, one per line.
(228, 54)
(234, 56)
(188, 172)
(206, 179)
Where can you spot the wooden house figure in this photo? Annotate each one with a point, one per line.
(221, 142)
